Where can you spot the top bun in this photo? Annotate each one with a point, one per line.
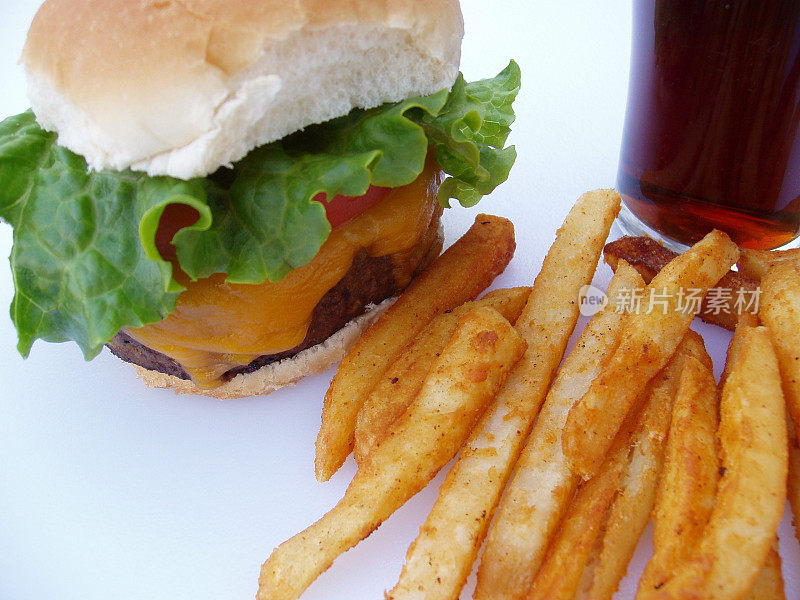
(183, 87)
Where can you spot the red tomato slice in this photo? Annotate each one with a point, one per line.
(174, 218)
(341, 209)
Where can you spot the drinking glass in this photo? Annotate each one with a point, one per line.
(711, 126)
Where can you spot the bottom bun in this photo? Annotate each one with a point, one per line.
(277, 375)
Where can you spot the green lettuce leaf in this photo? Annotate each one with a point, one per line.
(84, 259)
(469, 134)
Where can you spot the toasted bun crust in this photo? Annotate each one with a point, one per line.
(281, 374)
(181, 87)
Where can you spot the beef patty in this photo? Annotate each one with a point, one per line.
(370, 280)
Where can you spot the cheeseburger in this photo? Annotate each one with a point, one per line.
(226, 193)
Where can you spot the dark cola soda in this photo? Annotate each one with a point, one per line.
(711, 128)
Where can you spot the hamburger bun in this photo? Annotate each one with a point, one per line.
(182, 88)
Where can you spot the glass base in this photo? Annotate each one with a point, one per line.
(628, 223)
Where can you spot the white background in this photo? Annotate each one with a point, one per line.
(111, 490)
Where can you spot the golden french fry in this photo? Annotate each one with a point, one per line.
(403, 379)
(756, 263)
(649, 257)
(780, 311)
(794, 475)
(630, 512)
(593, 560)
(750, 497)
(461, 383)
(438, 564)
(460, 274)
(688, 482)
(649, 340)
(542, 485)
(560, 574)
(735, 345)
(769, 583)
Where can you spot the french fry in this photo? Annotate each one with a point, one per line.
(756, 263)
(735, 345)
(630, 512)
(592, 562)
(439, 561)
(688, 482)
(560, 573)
(794, 476)
(750, 497)
(542, 485)
(649, 257)
(649, 340)
(460, 274)
(769, 583)
(461, 383)
(403, 379)
(780, 311)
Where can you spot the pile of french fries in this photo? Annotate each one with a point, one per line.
(561, 465)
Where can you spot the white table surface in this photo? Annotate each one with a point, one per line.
(112, 490)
